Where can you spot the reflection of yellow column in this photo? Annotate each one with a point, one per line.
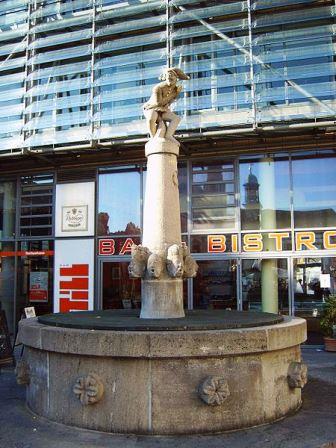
(269, 271)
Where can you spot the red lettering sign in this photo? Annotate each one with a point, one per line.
(127, 247)
(74, 288)
(106, 247)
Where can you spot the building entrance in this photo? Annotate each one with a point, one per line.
(314, 281)
(118, 289)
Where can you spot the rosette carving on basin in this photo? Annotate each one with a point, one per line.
(89, 389)
(214, 390)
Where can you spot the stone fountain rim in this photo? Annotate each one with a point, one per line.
(128, 320)
(163, 344)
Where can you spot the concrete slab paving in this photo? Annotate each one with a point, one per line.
(312, 427)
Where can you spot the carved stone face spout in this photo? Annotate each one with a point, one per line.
(175, 261)
(137, 266)
(155, 266)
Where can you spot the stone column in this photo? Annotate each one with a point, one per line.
(162, 260)
(269, 272)
(162, 297)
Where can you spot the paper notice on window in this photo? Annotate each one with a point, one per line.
(325, 280)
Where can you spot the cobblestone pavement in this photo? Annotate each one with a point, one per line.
(312, 427)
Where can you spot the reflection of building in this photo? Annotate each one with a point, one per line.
(71, 110)
(251, 205)
(251, 188)
(103, 219)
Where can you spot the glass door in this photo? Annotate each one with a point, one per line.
(314, 281)
(119, 291)
(215, 286)
(265, 285)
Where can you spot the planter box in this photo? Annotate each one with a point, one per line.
(330, 344)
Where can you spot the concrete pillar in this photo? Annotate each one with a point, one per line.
(269, 271)
(161, 297)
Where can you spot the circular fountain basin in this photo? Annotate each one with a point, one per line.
(209, 372)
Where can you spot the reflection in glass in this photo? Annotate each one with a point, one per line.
(119, 203)
(7, 209)
(310, 292)
(264, 189)
(213, 199)
(314, 188)
(36, 205)
(215, 285)
(253, 289)
(183, 190)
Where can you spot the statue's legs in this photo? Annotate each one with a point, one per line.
(151, 117)
(173, 121)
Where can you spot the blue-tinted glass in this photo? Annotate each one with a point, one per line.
(314, 187)
(119, 203)
(264, 193)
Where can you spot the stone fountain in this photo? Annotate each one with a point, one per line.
(163, 372)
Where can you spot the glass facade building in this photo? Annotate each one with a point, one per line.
(78, 71)
(257, 163)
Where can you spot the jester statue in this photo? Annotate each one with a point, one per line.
(162, 260)
(157, 109)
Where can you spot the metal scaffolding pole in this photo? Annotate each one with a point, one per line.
(253, 86)
(169, 40)
(92, 91)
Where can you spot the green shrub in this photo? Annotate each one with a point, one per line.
(328, 319)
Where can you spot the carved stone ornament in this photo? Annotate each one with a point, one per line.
(155, 265)
(214, 390)
(138, 264)
(190, 267)
(22, 373)
(297, 375)
(175, 261)
(89, 389)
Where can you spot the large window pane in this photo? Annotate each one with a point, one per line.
(264, 192)
(119, 203)
(213, 198)
(314, 187)
(183, 190)
(36, 205)
(7, 209)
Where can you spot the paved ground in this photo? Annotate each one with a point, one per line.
(312, 427)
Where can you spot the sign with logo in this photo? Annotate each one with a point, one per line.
(75, 209)
(272, 241)
(74, 218)
(38, 286)
(74, 275)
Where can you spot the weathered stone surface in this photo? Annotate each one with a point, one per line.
(291, 332)
(22, 372)
(151, 380)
